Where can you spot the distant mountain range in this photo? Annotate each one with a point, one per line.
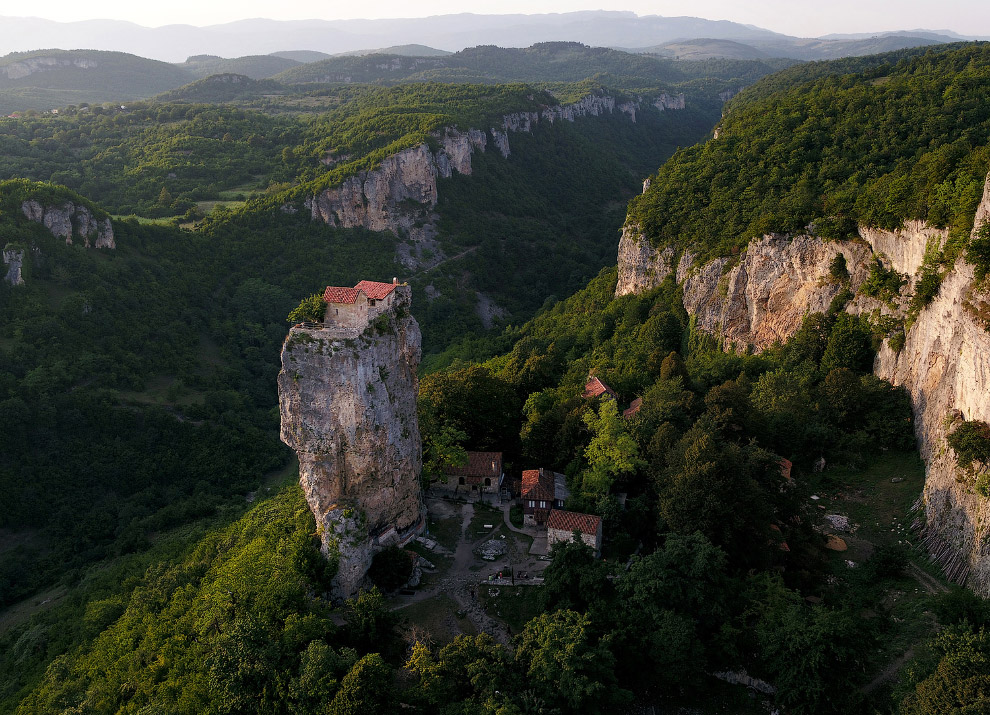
(305, 38)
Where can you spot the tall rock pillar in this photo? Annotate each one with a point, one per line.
(347, 397)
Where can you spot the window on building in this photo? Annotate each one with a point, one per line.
(532, 504)
(543, 505)
(488, 482)
(371, 301)
(460, 480)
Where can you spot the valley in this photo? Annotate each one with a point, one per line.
(756, 385)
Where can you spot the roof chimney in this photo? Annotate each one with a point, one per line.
(395, 281)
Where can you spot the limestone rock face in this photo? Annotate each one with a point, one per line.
(347, 399)
(764, 297)
(70, 221)
(28, 67)
(944, 364)
(641, 266)
(671, 101)
(13, 258)
(401, 194)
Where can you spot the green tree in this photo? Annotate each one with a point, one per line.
(365, 690)
(468, 668)
(612, 452)
(475, 402)
(575, 579)
(311, 309)
(371, 624)
(568, 665)
(320, 669)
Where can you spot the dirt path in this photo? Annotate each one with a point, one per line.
(888, 673)
(930, 584)
(461, 584)
(447, 260)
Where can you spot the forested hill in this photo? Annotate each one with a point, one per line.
(544, 62)
(49, 79)
(178, 161)
(872, 141)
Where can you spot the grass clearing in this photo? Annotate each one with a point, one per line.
(513, 605)
(164, 390)
(870, 499)
(879, 511)
(440, 561)
(484, 516)
(145, 221)
(446, 531)
(207, 206)
(434, 621)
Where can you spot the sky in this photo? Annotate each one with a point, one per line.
(804, 18)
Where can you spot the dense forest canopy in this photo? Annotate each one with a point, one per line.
(826, 146)
(147, 497)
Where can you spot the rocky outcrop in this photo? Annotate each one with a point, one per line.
(69, 220)
(641, 266)
(671, 101)
(945, 366)
(401, 193)
(347, 398)
(13, 258)
(28, 67)
(763, 295)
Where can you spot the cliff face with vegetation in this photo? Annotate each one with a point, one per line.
(13, 259)
(400, 195)
(762, 296)
(347, 399)
(71, 221)
(945, 365)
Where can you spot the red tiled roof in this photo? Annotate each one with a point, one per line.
(596, 388)
(334, 294)
(375, 290)
(574, 521)
(537, 485)
(785, 468)
(633, 408)
(479, 466)
(372, 289)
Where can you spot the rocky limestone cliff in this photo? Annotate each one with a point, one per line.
(70, 221)
(13, 258)
(347, 399)
(641, 266)
(945, 366)
(763, 295)
(401, 194)
(26, 68)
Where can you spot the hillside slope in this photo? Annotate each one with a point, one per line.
(48, 79)
(253, 66)
(887, 168)
(544, 62)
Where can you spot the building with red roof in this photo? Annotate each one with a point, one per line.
(541, 492)
(562, 525)
(633, 408)
(596, 388)
(356, 307)
(481, 473)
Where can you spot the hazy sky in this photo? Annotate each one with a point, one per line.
(793, 17)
